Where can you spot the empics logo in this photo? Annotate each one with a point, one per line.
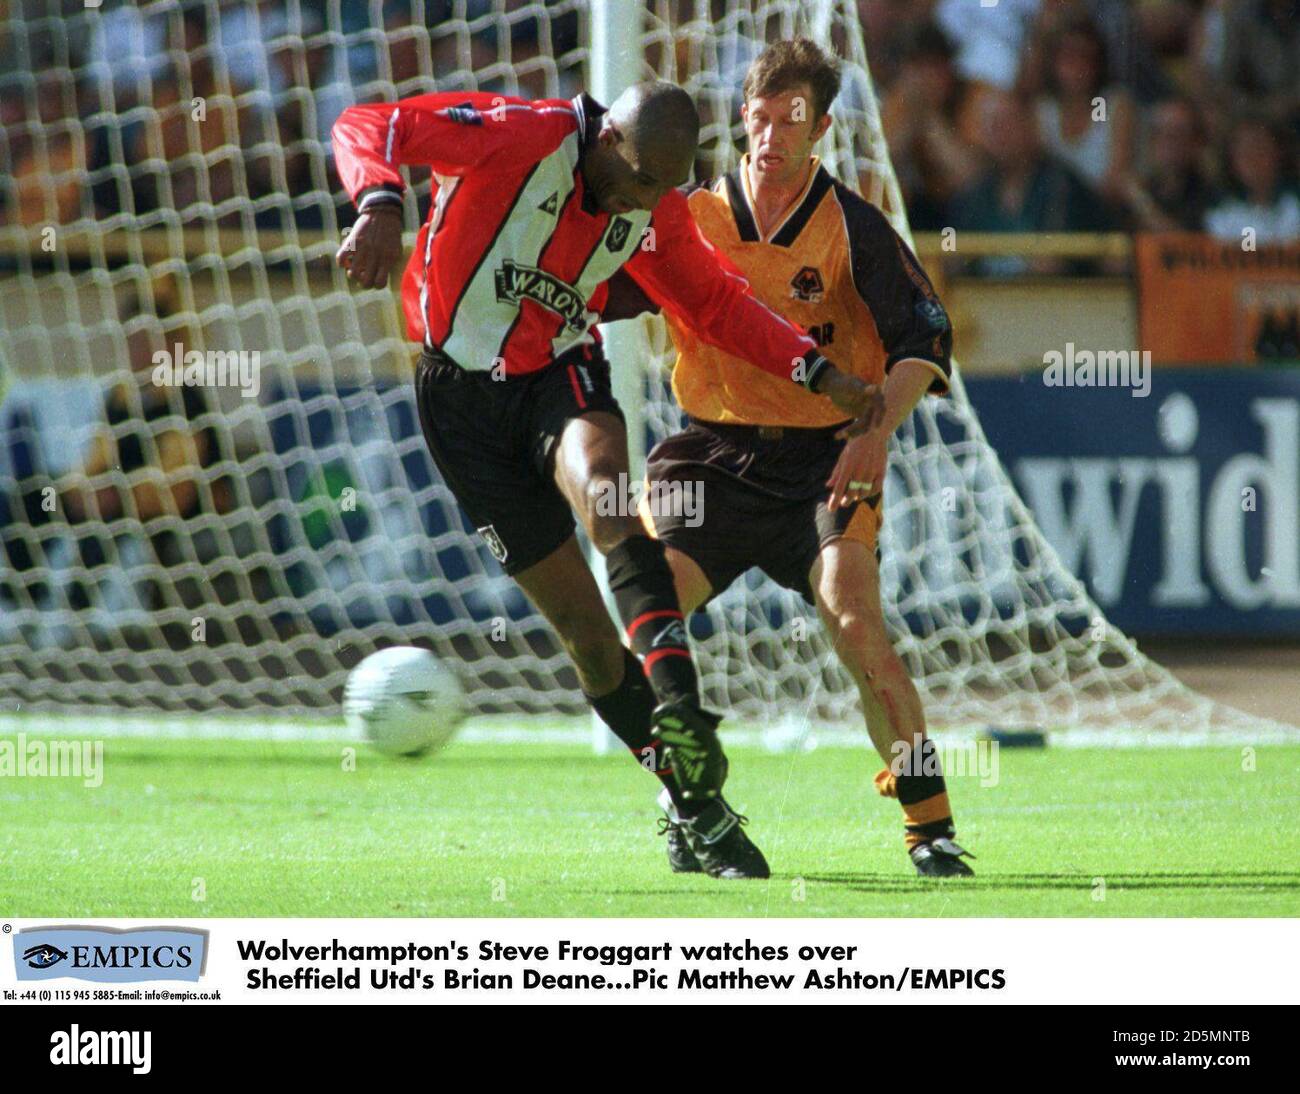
(109, 956)
(43, 955)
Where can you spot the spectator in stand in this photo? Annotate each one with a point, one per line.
(1025, 189)
(1260, 60)
(405, 63)
(15, 143)
(1262, 199)
(989, 41)
(887, 25)
(990, 38)
(283, 157)
(920, 118)
(47, 155)
(310, 71)
(287, 175)
(1146, 43)
(183, 152)
(244, 35)
(128, 49)
(147, 458)
(530, 51)
(199, 157)
(1085, 121)
(1205, 62)
(1174, 191)
(1172, 34)
(153, 463)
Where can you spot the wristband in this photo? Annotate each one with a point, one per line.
(816, 366)
(380, 199)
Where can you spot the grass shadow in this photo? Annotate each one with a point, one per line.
(1258, 880)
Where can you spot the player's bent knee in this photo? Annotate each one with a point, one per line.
(608, 512)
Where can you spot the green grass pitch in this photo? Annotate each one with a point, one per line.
(284, 829)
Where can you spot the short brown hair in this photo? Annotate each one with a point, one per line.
(785, 65)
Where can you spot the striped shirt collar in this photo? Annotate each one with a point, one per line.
(801, 209)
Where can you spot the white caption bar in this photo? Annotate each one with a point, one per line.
(978, 961)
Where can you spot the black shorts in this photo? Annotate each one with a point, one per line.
(748, 498)
(493, 440)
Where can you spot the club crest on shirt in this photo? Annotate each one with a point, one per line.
(515, 282)
(616, 237)
(807, 285)
(493, 541)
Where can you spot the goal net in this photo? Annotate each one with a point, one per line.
(232, 536)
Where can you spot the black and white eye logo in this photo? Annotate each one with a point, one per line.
(43, 956)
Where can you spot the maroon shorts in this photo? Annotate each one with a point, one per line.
(735, 496)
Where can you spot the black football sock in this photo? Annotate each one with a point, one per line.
(923, 794)
(642, 584)
(626, 710)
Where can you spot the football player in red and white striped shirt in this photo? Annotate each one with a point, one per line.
(538, 205)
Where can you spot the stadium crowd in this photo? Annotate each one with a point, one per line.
(1151, 115)
(1026, 115)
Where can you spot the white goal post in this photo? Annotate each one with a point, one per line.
(170, 185)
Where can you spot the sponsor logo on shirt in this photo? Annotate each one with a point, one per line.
(515, 282)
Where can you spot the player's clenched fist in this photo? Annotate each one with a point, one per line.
(373, 247)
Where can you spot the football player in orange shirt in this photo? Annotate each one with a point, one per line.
(781, 489)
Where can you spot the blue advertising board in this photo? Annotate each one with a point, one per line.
(1180, 509)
